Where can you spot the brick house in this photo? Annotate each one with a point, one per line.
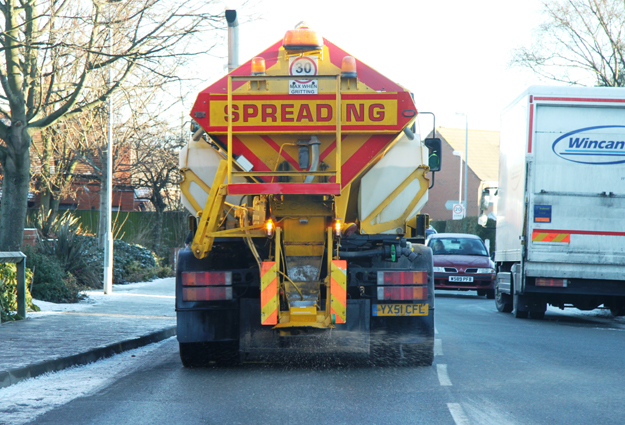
(85, 192)
(483, 170)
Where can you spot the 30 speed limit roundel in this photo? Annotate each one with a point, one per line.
(303, 66)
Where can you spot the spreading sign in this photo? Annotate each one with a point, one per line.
(371, 112)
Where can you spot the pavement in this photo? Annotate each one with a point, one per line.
(65, 335)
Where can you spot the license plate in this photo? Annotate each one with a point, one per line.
(400, 309)
(461, 278)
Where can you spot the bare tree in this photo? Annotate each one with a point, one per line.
(54, 55)
(155, 168)
(56, 158)
(580, 42)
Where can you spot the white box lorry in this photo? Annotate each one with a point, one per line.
(561, 201)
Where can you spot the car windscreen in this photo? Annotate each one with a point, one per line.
(457, 246)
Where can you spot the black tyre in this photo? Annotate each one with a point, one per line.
(617, 311)
(418, 354)
(520, 314)
(537, 315)
(193, 354)
(481, 292)
(198, 354)
(225, 353)
(384, 354)
(503, 302)
(490, 294)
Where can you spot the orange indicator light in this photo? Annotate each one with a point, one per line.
(258, 66)
(269, 228)
(337, 228)
(348, 67)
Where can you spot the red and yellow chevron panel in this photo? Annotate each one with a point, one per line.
(547, 236)
(338, 291)
(268, 293)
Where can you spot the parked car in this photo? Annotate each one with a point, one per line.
(462, 263)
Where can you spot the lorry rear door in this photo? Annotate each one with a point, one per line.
(576, 184)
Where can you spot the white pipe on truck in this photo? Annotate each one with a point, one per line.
(233, 40)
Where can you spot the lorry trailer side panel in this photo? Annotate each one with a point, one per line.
(560, 227)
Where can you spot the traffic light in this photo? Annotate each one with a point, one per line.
(435, 157)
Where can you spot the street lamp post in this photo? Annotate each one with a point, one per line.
(108, 243)
(459, 154)
(466, 158)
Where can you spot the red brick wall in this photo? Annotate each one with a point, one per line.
(446, 187)
(31, 237)
(87, 197)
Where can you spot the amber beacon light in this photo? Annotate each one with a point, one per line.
(348, 67)
(258, 66)
(302, 38)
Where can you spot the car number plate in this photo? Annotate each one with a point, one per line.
(400, 309)
(461, 278)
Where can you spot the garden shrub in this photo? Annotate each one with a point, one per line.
(8, 292)
(50, 281)
(72, 261)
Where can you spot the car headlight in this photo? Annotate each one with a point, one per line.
(485, 271)
(439, 269)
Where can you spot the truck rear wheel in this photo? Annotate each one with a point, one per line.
(503, 302)
(516, 305)
(537, 315)
(192, 354)
(399, 354)
(418, 354)
(200, 354)
(617, 311)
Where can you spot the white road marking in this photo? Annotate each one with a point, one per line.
(435, 331)
(458, 414)
(483, 411)
(438, 347)
(443, 377)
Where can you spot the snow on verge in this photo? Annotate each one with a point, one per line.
(26, 400)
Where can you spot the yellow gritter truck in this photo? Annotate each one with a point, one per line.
(305, 180)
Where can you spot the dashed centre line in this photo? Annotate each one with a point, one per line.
(438, 347)
(443, 377)
(457, 413)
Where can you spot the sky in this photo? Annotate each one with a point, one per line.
(453, 55)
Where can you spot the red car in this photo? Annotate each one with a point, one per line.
(461, 263)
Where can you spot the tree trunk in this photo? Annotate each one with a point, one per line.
(15, 185)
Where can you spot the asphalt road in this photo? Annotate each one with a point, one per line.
(490, 368)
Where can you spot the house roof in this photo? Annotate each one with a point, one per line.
(483, 150)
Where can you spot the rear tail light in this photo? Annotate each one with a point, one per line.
(402, 293)
(206, 286)
(541, 281)
(402, 285)
(402, 278)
